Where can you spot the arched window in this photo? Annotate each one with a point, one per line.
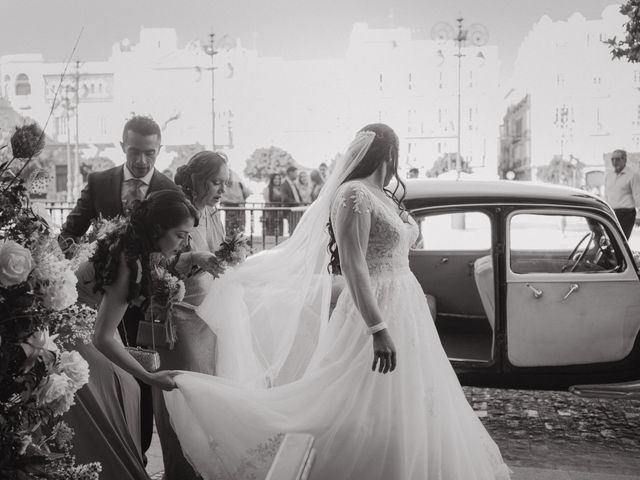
(23, 87)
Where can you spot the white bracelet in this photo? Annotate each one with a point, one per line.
(377, 327)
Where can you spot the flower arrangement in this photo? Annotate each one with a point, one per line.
(166, 287)
(234, 250)
(39, 323)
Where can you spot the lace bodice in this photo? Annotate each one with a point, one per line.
(358, 211)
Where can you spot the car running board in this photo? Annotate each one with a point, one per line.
(623, 390)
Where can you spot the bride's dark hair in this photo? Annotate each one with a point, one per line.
(384, 146)
(137, 238)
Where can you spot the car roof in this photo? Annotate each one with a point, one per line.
(431, 192)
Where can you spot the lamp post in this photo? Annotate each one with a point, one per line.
(479, 35)
(210, 49)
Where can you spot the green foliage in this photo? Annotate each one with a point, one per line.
(561, 171)
(629, 47)
(441, 165)
(265, 161)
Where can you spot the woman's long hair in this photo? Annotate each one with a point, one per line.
(193, 176)
(271, 186)
(137, 239)
(383, 147)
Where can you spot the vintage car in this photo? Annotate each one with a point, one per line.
(530, 285)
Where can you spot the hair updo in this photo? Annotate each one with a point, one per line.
(193, 176)
(383, 148)
(137, 239)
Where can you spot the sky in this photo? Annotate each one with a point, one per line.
(293, 29)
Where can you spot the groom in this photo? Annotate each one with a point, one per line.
(110, 193)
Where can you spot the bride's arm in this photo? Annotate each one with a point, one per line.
(114, 305)
(351, 224)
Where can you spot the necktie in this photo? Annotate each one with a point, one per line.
(133, 192)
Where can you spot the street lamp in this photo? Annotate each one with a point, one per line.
(210, 49)
(478, 35)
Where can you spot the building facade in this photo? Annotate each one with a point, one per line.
(310, 108)
(571, 98)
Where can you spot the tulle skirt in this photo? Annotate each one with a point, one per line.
(414, 423)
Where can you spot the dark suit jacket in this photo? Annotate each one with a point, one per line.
(288, 198)
(102, 195)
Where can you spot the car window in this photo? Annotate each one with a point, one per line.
(457, 231)
(550, 243)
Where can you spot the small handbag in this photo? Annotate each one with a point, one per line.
(148, 358)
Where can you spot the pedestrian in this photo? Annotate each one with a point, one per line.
(290, 193)
(413, 173)
(622, 191)
(316, 183)
(235, 195)
(304, 186)
(273, 219)
(323, 169)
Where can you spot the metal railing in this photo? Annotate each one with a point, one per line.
(265, 225)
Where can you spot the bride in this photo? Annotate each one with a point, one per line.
(371, 383)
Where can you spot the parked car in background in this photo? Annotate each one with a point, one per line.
(530, 285)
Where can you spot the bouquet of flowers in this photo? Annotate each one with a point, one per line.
(166, 289)
(39, 323)
(234, 250)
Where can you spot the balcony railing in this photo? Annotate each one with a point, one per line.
(265, 225)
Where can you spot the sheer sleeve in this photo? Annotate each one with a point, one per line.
(351, 217)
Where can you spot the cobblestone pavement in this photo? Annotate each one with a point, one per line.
(546, 430)
(558, 430)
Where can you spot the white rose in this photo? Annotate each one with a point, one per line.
(15, 263)
(64, 403)
(75, 367)
(61, 293)
(57, 393)
(55, 387)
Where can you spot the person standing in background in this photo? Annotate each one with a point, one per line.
(316, 184)
(235, 195)
(304, 187)
(622, 191)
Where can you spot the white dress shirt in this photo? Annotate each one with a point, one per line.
(622, 190)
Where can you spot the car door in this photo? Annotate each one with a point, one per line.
(567, 308)
(452, 261)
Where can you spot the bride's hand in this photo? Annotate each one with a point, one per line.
(384, 352)
(208, 262)
(163, 379)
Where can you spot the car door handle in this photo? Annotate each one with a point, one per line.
(572, 288)
(537, 293)
(442, 261)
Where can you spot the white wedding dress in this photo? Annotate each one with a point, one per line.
(414, 423)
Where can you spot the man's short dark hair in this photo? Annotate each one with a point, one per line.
(142, 125)
(292, 168)
(620, 150)
(323, 165)
(414, 171)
